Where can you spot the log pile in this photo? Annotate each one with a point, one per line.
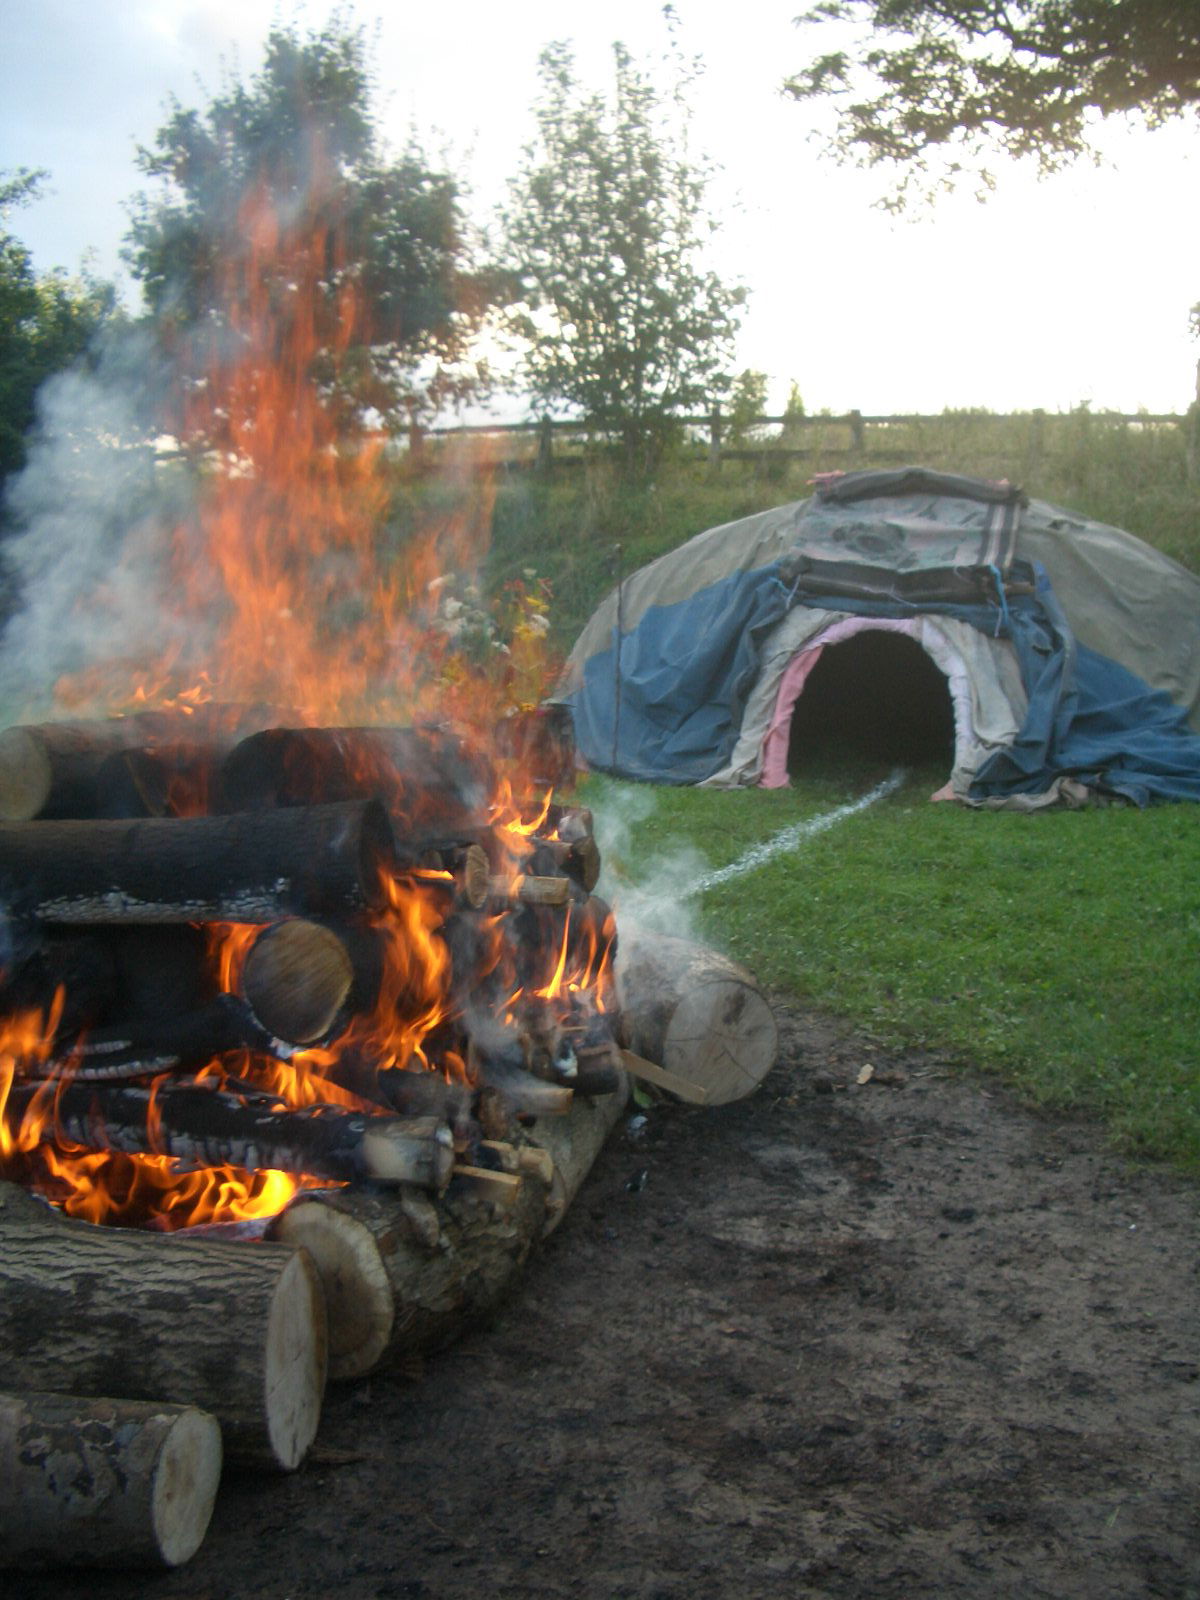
(322, 953)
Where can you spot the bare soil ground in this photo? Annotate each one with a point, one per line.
(897, 1338)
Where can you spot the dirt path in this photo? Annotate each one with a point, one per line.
(891, 1339)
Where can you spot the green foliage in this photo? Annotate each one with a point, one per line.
(618, 317)
(47, 322)
(282, 181)
(931, 86)
(747, 402)
(959, 933)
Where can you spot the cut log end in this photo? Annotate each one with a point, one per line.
(102, 1482)
(185, 1486)
(296, 1361)
(25, 776)
(296, 980)
(358, 1295)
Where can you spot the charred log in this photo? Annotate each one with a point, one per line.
(429, 779)
(241, 868)
(51, 769)
(211, 1127)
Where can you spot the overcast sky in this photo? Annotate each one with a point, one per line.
(1053, 293)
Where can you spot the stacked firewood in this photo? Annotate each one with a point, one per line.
(126, 847)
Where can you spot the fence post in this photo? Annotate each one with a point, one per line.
(545, 450)
(714, 440)
(1191, 441)
(857, 432)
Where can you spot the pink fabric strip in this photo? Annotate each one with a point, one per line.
(795, 676)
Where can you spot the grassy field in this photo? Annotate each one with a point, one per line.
(566, 527)
(1059, 951)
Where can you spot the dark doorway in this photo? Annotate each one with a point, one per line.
(874, 697)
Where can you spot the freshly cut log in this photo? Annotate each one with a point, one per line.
(209, 1127)
(296, 979)
(50, 769)
(404, 1276)
(242, 868)
(696, 1013)
(426, 777)
(104, 1483)
(229, 1328)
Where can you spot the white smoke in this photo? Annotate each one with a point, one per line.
(92, 513)
(645, 900)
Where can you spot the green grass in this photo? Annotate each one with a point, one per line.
(565, 526)
(1059, 950)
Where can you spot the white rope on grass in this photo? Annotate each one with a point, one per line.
(791, 838)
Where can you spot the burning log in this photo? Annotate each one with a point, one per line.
(52, 769)
(296, 979)
(695, 1013)
(210, 1127)
(236, 1331)
(428, 778)
(104, 1483)
(241, 868)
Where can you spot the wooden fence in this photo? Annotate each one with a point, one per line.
(771, 443)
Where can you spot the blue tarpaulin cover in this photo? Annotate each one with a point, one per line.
(682, 688)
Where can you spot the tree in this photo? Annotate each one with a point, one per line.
(277, 207)
(931, 86)
(604, 231)
(47, 321)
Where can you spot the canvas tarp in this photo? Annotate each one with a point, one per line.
(1079, 644)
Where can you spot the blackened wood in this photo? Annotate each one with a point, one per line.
(143, 1047)
(210, 1127)
(240, 868)
(429, 779)
(175, 779)
(235, 1330)
(50, 769)
(104, 1483)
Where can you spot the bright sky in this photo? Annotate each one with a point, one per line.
(1052, 293)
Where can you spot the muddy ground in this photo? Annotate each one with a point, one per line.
(898, 1338)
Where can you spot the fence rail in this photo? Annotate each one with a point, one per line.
(553, 442)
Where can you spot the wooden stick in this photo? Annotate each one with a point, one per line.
(104, 1483)
(682, 1088)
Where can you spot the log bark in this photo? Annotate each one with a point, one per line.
(427, 778)
(104, 1483)
(404, 1276)
(242, 868)
(209, 1127)
(696, 1013)
(51, 769)
(229, 1328)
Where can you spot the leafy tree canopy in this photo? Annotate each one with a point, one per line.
(277, 198)
(933, 85)
(47, 322)
(605, 229)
